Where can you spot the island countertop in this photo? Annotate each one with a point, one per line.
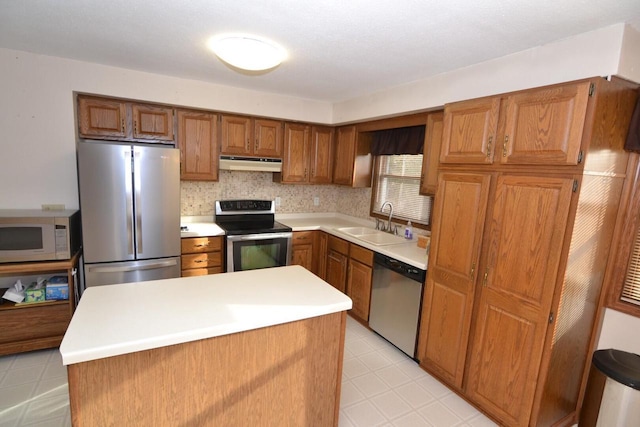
(119, 319)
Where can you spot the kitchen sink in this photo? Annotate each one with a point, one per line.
(370, 235)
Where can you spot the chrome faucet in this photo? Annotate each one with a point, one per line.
(390, 215)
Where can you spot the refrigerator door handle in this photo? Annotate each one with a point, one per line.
(137, 174)
(129, 194)
(149, 266)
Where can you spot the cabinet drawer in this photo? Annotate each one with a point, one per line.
(338, 245)
(205, 260)
(194, 245)
(36, 322)
(201, 271)
(361, 254)
(302, 237)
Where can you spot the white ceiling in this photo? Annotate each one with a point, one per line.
(338, 49)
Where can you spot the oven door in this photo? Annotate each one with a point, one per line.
(263, 250)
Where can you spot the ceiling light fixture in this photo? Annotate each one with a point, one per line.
(247, 52)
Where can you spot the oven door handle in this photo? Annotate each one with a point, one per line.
(260, 236)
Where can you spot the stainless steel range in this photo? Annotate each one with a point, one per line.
(254, 239)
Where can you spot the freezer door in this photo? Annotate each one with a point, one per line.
(156, 201)
(106, 201)
(129, 272)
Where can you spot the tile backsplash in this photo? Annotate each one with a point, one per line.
(198, 197)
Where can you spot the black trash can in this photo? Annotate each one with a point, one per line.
(612, 398)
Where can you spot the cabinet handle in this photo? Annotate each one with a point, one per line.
(135, 127)
(489, 147)
(305, 172)
(484, 280)
(202, 245)
(473, 269)
(256, 149)
(313, 172)
(122, 125)
(248, 142)
(504, 146)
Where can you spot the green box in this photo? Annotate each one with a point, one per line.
(32, 294)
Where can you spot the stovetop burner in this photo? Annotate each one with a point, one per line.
(238, 217)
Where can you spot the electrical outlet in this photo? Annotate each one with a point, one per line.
(316, 201)
(278, 201)
(52, 207)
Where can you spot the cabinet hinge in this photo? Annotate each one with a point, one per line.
(592, 89)
(575, 185)
(580, 156)
(551, 317)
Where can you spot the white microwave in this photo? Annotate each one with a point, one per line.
(36, 235)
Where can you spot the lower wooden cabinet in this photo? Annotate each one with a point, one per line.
(303, 250)
(201, 256)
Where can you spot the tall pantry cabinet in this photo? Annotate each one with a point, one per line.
(528, 191)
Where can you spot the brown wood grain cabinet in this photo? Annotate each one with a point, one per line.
(108, 118)
(353, 162)
(529, 187)
(321, 156)
(308, 154)
(337, 263)
(201, 255)
(303, 250)
(323, 248)
(431, 157)
(198, 143)
(253, 137)
(359, 280)
(28, 327)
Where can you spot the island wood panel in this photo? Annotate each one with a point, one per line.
(283, 375)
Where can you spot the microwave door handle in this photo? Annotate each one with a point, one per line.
(129, 203)
(138, 199)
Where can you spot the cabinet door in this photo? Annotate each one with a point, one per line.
(152, 122)
(99, 117)
(236, 136)
(321, 161)
(337, 270)
(459, 211)
(198, 145)
(268, 138)
(359, 288)
(545, 126)
(525, 245)
(431, 158)
(302, 255)
(295, 165)
(469, 131)
(323, 242)
(344, 155)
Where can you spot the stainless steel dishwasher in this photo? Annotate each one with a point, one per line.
(395, 302)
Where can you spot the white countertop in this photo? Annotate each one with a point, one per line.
(121, 319)
(407, 252)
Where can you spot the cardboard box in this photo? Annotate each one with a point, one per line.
(57, 288)
(34, 294)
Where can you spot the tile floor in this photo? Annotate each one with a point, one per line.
(381, 386)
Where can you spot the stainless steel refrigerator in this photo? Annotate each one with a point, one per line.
(130, 209)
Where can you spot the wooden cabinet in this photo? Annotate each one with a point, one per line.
(431, 157)
(308, 154)
(453, 267)
(303, 250)
(323, 248)
(539, 126)
(201, 255)
(353, 162)
(350, 270)
(108, 118)
(28, 327)
(198, 143)
(246, 136)
(520, 237)
(359, 280)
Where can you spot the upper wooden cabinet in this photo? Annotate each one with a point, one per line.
(246, 136)
(308, 154)
(198, 143)
(105, 118)
(431, 157)
(539, 126)
(353, 161)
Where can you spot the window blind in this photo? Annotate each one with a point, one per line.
(631, 287)
(398, 182)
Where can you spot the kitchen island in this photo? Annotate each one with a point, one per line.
(260, 347)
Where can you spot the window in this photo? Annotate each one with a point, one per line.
(397, 180)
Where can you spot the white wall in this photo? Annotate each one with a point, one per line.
(595, 53)
(620, 331)
(629, 66)
(37, 125)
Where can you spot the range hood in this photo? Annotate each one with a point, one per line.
(236, 163)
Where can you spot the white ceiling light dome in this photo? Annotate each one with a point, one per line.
(247, 52)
